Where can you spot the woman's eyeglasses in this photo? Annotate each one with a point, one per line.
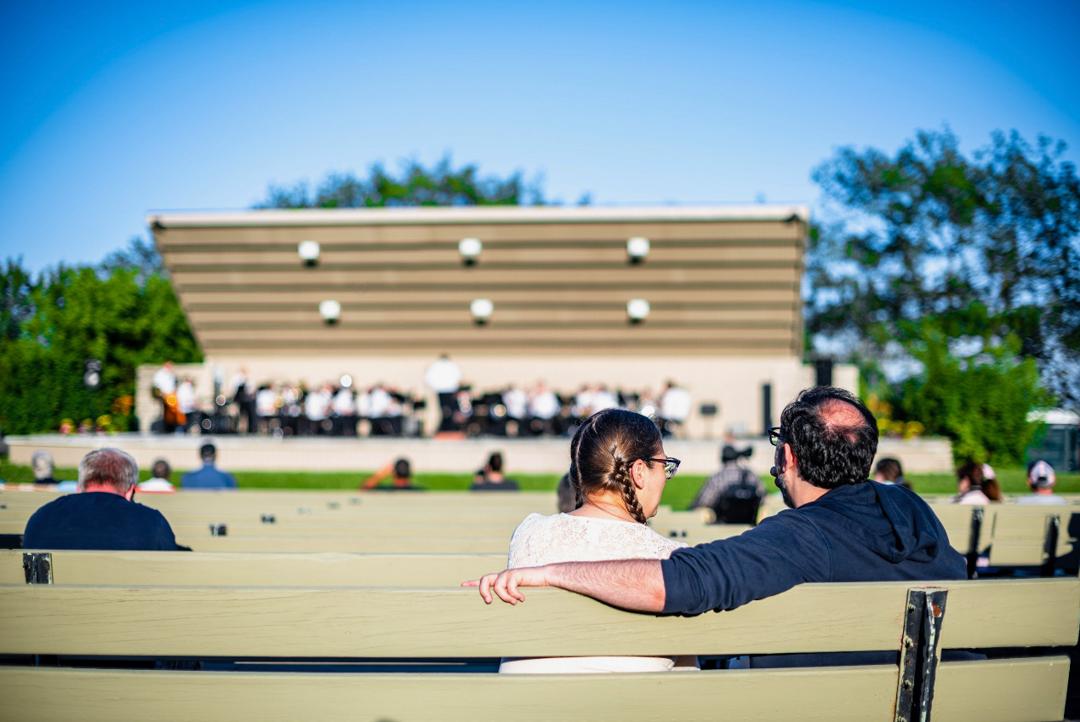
(671, 465)
(775, 436)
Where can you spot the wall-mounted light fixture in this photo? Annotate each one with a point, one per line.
(481, 310)
(637, 249)
(470, 248)
(308, 252)
(637, 310)
(330, 311)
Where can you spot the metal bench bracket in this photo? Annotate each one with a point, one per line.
(38, 568)
(923, 616)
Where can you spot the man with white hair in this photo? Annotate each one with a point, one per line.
(44, 468)
(103, 515)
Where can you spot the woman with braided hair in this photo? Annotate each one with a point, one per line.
(618, 470)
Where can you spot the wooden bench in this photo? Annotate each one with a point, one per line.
(244, 569)
(915, 620)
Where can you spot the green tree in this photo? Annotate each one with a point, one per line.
(415, 185)
(978, 397)
(120, 315)
(987, 245)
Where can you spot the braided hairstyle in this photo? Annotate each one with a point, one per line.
(604, 449)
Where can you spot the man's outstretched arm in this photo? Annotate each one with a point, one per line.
(635, 584)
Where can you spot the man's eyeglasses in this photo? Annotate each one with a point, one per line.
(671, 465)
(775, 436)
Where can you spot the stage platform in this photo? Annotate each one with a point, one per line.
(427, 455)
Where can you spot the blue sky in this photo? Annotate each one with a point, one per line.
(114, 109)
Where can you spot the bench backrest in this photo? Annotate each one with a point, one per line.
(395, 623)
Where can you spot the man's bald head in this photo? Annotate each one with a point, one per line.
(832, 435)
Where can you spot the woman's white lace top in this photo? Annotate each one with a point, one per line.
(557, 538)
(565, 538)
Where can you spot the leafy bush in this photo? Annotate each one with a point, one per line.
(52, 324)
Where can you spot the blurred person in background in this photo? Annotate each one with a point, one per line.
(491, 478)
(544, 406)
(969, 481)
(675, 407)
(103, 515)
(186, 402)
(209, 476)
(990, 485)
(244, 398)
(735, 492)
(43, 466)
(566, 495)
(160, 481)
(889, 471)
(1041, 478)
(398, 471)
(444, 378)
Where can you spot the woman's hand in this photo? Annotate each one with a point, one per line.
(505, 583)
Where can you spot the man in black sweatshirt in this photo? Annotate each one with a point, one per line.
(841, 527)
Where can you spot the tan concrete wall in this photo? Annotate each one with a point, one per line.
(427, 455)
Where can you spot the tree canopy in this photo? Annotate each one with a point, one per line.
(987, 245)
(440, 185)
(953, 268)
(121, 313)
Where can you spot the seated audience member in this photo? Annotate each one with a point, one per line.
(209, 476)
(491, 478)
(734, 493)
(1041, 479)
(44, 468)
(619, 470)
(840, 528)
(400, 471)
(566, 495)
(969, 482)
(889, 471)
(160, 481)
(990, 485)
(103, 514)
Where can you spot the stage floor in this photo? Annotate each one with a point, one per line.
(250, 453)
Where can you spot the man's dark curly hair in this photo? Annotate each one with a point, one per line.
(832, 435)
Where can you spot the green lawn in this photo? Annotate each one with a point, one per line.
(678, 494)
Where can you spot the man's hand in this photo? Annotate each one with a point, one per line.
(505, 583)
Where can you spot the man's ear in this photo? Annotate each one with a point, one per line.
(790, 461)
(130, 495)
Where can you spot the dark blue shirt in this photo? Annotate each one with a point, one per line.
(98, 520)
(854, 533)
(208, 477)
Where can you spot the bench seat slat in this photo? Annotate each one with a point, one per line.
(838, 694)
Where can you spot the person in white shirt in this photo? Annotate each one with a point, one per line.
(317, 408)
(675, 406)
(165, 379)
(444, 378)
(618, 470)
(344, 407)
(266, 406)
(517, 407)
(969, 485)
(1041, 478)
(159, 483)
(543, 408)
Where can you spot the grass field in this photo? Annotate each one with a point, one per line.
(678, 494)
